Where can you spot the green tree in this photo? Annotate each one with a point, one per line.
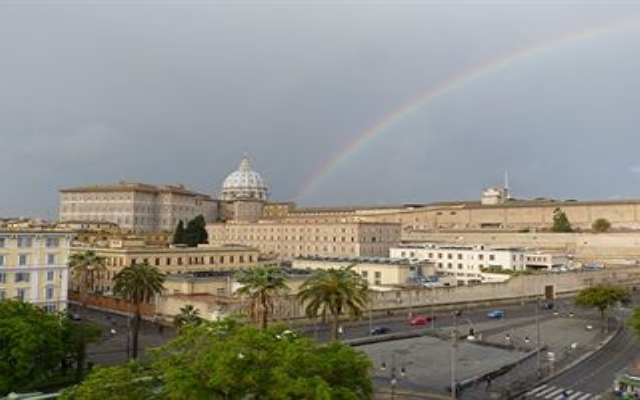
(561, 221)
(31, 344)
(83, 267)
(601, 225)
(129, 381)
(228, 360)
(189, 316)
(262, 285)
(179, 234)
(138, 283)
(196, 232)
(331, 293)
(602, 297)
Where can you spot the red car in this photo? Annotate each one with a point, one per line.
(423, 320)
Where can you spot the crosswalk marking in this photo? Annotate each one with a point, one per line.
(558, 393)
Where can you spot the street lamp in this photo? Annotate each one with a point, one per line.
(454, 354)
(393, 374)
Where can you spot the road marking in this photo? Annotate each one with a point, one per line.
(556, 393)
(553, 394)
(536, 390)
(585, 397)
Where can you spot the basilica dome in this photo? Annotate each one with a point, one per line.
(244, 184)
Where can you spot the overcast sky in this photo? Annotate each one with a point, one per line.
(336, 102)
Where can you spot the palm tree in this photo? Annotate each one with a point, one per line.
(189, 316)
(332, 292)
(83, 267)
(137, 284)
(262, 285)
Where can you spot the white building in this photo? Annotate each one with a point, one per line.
(465, 262)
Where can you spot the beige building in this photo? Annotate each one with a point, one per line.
(33, 266)
(137, 207)
(203, 259)
(291, 238)
(381, 271)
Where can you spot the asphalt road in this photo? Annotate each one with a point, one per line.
(593, 378)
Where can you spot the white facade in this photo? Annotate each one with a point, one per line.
(465, 262)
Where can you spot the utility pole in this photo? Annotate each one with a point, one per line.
(538, 342)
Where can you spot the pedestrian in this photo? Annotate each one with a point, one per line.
(488, 381)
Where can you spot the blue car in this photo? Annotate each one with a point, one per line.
(495, 314)
(379, 330)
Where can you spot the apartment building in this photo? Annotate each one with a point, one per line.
(137, 207)
(33, 266)
(169, 260)
(290, 238)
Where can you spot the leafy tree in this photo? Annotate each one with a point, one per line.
(602, 297)
(262, 285)
(561, 221)
(129, 381)
(196, 232)
(179, 234)
(138, 283)
(83, 266)
(31, 344)
(332, 292)
(228, 360)
(601, 225)
(189, 316)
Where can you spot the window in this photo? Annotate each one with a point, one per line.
(3, 295)
(378, 274)
(2, 242)
(365, 274)
(22, 293)
(3, 277)
(25, 241)
(21, 277)
(49, 293)
(1, 260)
(50, 275)
(23, 259)
(52, 242)
(51, 259)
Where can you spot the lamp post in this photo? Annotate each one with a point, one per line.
(538, 342)
(393, 374)
(454, 355)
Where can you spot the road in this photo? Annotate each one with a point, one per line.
(593, 378)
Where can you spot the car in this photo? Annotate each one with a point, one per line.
(495, 314)
(421, 320)
(379, 330)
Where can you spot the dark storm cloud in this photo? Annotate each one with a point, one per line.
(176, 92)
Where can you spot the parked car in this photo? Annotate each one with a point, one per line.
(379, 330)
(495, 314)
(422, 320)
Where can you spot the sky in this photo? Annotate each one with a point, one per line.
(337, 103)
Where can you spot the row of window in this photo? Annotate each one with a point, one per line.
(24, 259)
(24, 241)
(23, 293)
(23, 277)
(168, 261)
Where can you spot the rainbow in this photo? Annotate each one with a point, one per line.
(449, 85)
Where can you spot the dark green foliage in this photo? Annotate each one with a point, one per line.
(262, 285)
(179, 234)
(560, 221)
(194, 234)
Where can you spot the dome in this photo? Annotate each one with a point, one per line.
(244, 184)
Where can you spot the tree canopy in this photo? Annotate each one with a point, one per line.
(31, 344)
(193, 234)
(561, 221)
(332, 293)
(229, 360)
(189, 316)
(602, 297)
(179, 234)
